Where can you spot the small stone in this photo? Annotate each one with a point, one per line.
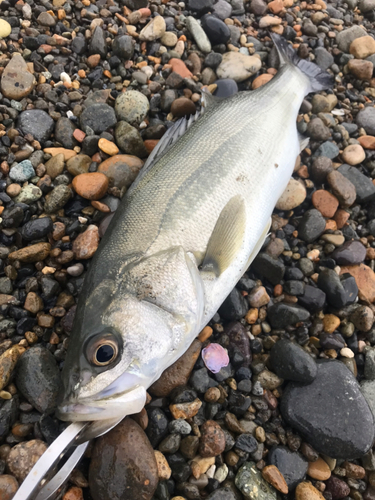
(154, 30)
(325, 202)
(354, 153)
(86, 243)
(8, 361)
(282, 315)
(32, 253)
(342, 188)
(216, 30)
(22, 172)
(132, 106)
(350, 253)
(362, 47)
(363, 185)
(183, 107)
(99, 117)
(365, 279)
(367, 141)
(38, 378)
(108, 147)
(121, 170)
(251, 484)
(321, 166)
(91, 186)
(268, 380)
(185, 410)
(345, 37)
(291, 362)
(123, 47)
(294, 195)
(337, 487)
(36, 123)
(55, 166)
(273, 476)
(238, 66)
(98, 43)
(361, 69)
(330, 323)
(363, 318)
(24, 456)
(164, 471)
(129, 139)
(268, 21)
(292, 465)
(306, 491)
(57, 198)
(311, 226)
(16, 81)
(212, 440)
(258, 297)
(169, 39)
(8, 483)
(319, 470)
(115, 468)
(5, 28)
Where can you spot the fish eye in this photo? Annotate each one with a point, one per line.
(102, 351)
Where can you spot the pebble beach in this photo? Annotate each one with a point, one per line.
(87, 89)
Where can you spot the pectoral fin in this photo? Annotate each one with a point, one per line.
(226, 238)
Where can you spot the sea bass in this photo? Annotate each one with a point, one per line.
(185, 232)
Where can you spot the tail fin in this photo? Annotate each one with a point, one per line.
(319, 79)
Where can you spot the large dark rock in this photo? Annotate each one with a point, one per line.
(331, 413)
(216, 30)
(282, 315)
(37, 123)
(234, 306)
(36, 228)
(268, 267)
(350, 253)
(334, 287)
(313, 299)
(311, 226)
(38, 378)
(291, 465)
(290, 362)
(99, 117)
(123, 465)
(363, 185)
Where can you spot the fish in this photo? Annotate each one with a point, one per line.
(185, 232)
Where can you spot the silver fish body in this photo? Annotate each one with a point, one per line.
(182, 237)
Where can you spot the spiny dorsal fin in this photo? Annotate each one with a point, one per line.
(226, 238)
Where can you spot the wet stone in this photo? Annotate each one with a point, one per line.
(57, 198)
(132, 107)
(364, 187)
(23, 457)
(234, 307)
(311, 226)
(291, 465)
(331, 284)
(272, 269)
(304, 408)
(129, 140)
(8, 414)
(200, 380)
(37, 123)
(337, 487)
(212, 441)
(157, 428)
(366, 119)
(64, 132)
(123, 47)
(291, 362)
(36, 229)
(38, 378)
(282, 315)
(115, 468)
(8, 486)
(251, 484)
(247, 443)
(225, 87)
(216, 30)
(350, 253)
(99, 117)
(98, 43)
(22, 172)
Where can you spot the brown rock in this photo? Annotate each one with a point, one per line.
(342, 188)
(108, 147)
(183, 107)
(33, 303)
(212, 440)
(306, 491)
(178, 373)
(365, 279)
(8, 361)
(341, 217)
(16, 81)
(55, 166)
(330, 323)
(319, 470)
(362, 47)
(367, 141)
(276, 6)
(68, 153)
(325, 202)
(24, 456)
(363, 318)
(91, 186)
(178, 66)
(8, 487)
(293, 195)
(261, 79)
(33, 253)
(258, 297)
(121, 170)
(353, 154)
(361, 69)
(164, 471)
(337, 487)
(273, 476)
(86, 243)
(123, 465)
(93, 61)
(78, 164)
(73, 493)
(354, 471)
(185, 410)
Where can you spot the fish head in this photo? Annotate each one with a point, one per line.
(124, 336)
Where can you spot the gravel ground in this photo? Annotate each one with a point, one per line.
(87, 90)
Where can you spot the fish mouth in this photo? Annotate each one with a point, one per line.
(115, 406)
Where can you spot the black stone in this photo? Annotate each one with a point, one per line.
(225, 88)
(99, 117)
(201, 6)
(123, 47)
(38, 378)
(291, 465)
(213, 59)
(64, 133)
(222, 494)
(200, 380)
(37, 228)
(290, 362)
(37, 123)
(311, 226)
(78, 45)
(157, 428)
(216, 30)
(350, 286)
(294, 287)
(268, 267)
(331, 341)
(12, 217)
(363, 185)
(282, 315)
(313, 299)
(247, 443)
(330, 413)
(330, 283)
(350, 253)
(8, 414)
(98, 43)
(234, 306)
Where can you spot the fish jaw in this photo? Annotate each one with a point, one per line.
(115, 406)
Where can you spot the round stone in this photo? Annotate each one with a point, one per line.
(132, 106)
(354, 154)
(91, 186)
(5, 28)
(291, 362)
(23, 457)
(325, 202)
(294, 195)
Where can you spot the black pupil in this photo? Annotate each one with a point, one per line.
(104, 353)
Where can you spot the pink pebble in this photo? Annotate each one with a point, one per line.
(215, 357)
(145, 12)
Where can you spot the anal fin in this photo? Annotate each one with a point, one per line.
(226, 238)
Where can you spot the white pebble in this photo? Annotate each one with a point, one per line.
(346, 352)
(313, 254)
(211, 471)
(76, 269)
(221, 473)
(82, 220)
(65, 77)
